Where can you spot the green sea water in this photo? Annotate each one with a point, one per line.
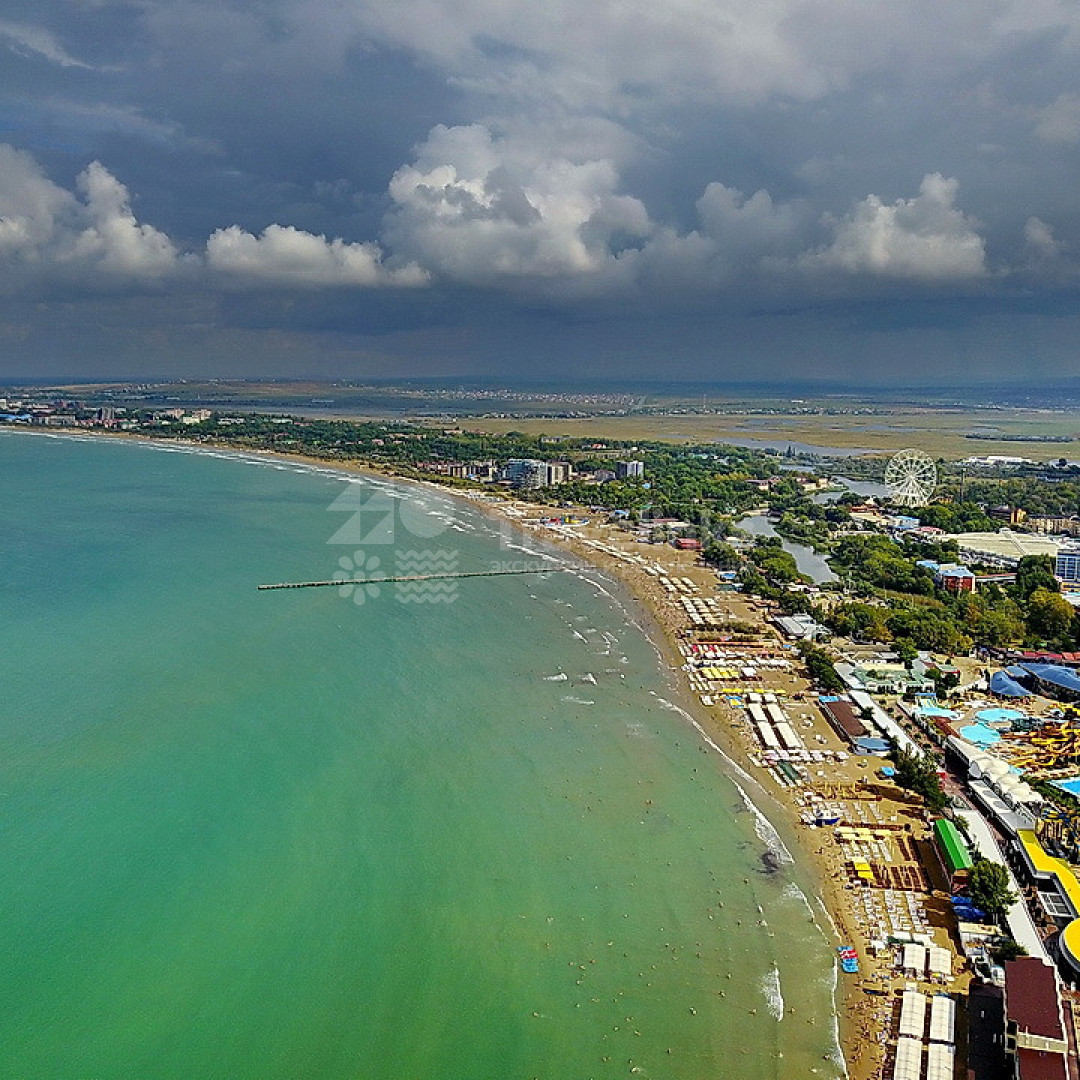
(288, 835)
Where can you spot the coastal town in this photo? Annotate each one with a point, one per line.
(540, 541)
(898, 671)
(934, 980)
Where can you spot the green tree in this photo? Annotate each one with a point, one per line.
(906, 651)
(944, 681)
(988, 887)
(1049, 614)
(722, 556)
(820, 668)
(797, 603)
(918, 773)
(1034, 572)
(990, 617)
(956, 517)
(865, 622)
(773, 561)
(1008, 950)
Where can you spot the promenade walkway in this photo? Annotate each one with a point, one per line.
(1021, 924)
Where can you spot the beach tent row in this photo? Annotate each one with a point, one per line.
(940, 1060)
(908, 1063)
(773, 729)
(677, 585)
(703, 611)
(655, 570)
(941, 1051)
(913, 1010)
(738, 653)
(942, 1018)
(930, 960)
(725, 674)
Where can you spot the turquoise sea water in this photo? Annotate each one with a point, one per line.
(286, 835)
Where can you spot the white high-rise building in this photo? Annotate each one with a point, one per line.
(1067, 564)
(526, 473)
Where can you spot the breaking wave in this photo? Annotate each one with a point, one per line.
(770, 988)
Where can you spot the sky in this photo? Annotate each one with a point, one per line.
(864, 192)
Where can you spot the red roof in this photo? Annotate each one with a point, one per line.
(1040, 1065)
(1031, 997)
(844, 718)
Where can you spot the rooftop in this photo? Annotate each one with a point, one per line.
(1002, 684)
(1055, 675)
(1040, 1065)
(952, 844)
(1031, 997)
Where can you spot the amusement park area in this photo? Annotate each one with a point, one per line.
(1020, 766)
(999, 730)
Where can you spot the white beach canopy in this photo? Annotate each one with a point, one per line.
(908, 1064)
(914, 959)
(1012, 787)
(942, 1019)
(1026, 794)
(913, 1014)
(940, 1064)
(939, 961)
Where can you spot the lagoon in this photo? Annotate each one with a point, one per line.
(808, 561)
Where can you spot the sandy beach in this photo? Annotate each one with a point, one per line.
(865, 1003)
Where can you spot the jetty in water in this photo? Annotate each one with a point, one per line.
(414, 577)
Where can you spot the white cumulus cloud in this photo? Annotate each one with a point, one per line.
(32, 207)
(741, 224)
(1039, 239)
(114, 240)
(36, 40)
(285, 255)
(480, 207)
(926, 238)
(44, 226)
(93, 236)
(626, 55)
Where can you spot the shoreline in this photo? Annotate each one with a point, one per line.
(652, 612)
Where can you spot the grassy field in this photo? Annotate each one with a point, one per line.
(939, 432)
(878, 425)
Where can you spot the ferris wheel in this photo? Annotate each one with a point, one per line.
(910, 478)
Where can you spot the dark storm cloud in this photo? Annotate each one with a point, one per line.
(803, 187)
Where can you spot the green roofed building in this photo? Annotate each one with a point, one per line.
(953, 852)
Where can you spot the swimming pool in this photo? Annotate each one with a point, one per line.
(996, 716)
(1072, 785)
(981, 735)
(936, 710)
